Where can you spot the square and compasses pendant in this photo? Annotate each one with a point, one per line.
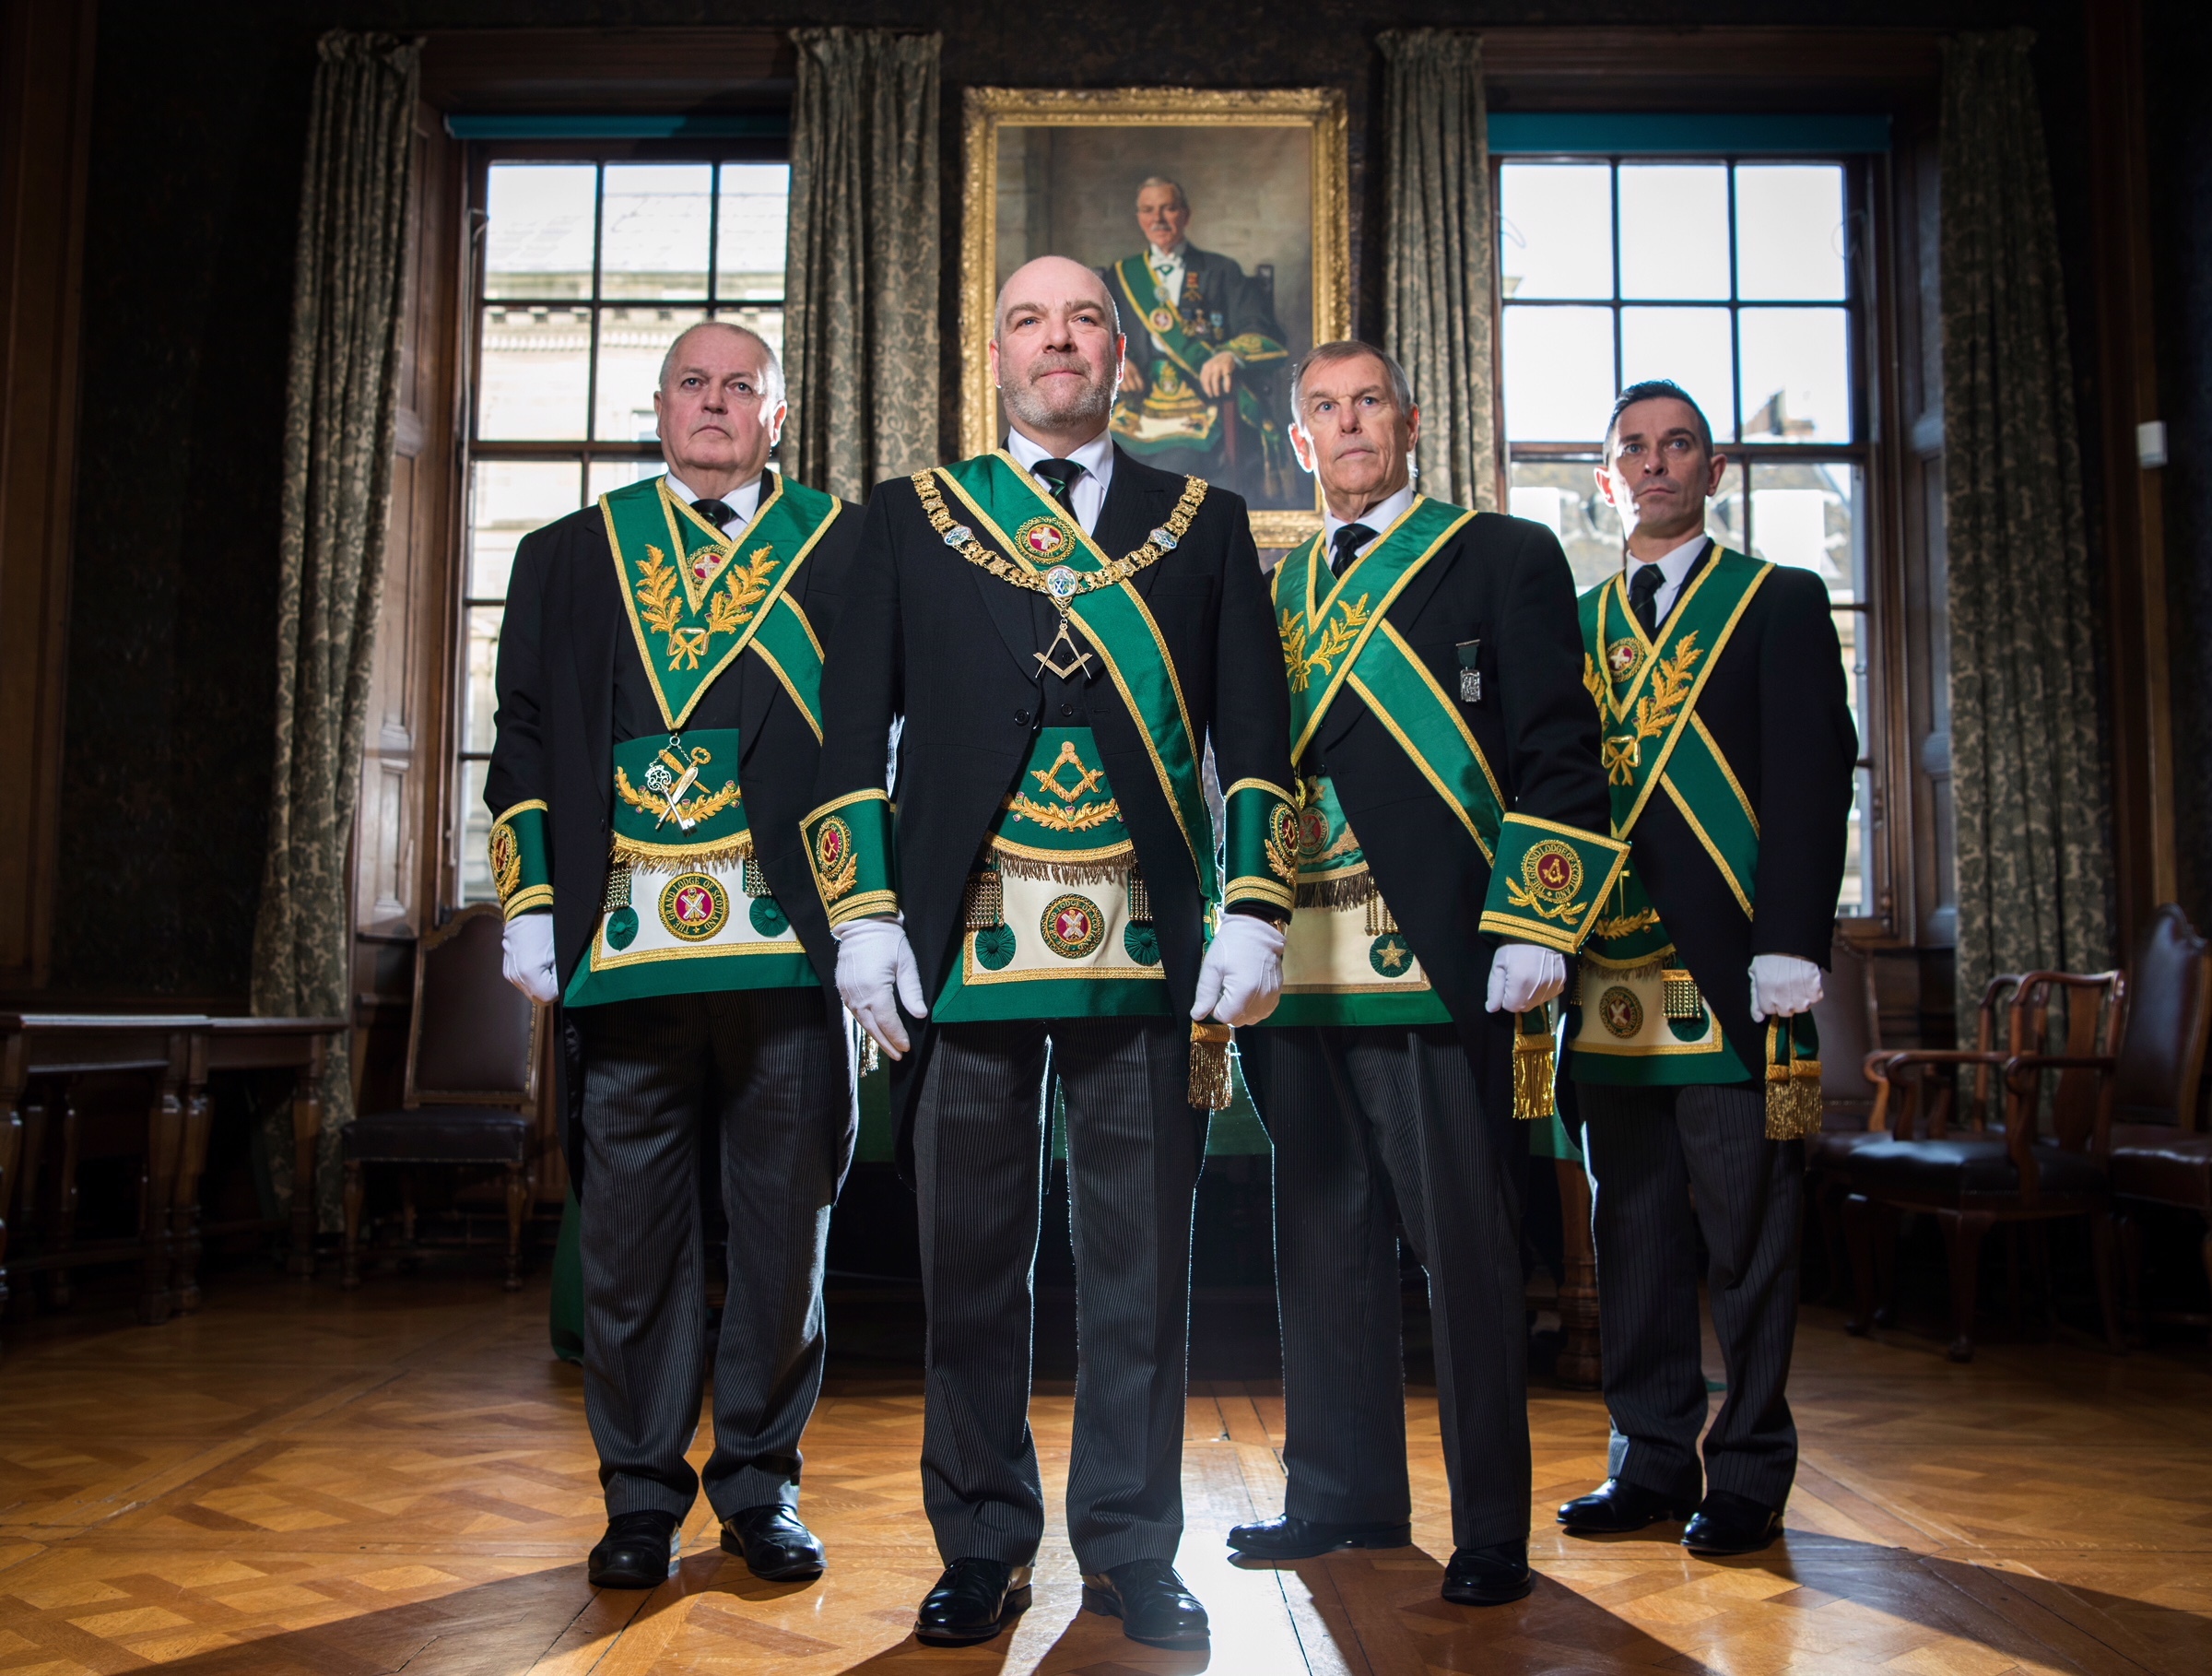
(1077, 661)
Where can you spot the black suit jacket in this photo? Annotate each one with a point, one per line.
(1503, 582)
(934, 646)
(555, 724)
(1775, 704)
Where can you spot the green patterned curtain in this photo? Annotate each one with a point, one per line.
(340, 402)
(861, 273)
(1440, 248)
(2035, 879)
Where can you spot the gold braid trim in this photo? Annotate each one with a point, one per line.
(1116, 570)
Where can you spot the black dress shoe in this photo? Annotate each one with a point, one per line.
(1731, 1524)
(1296, 1539)
(1151, 1602)
(776, 1546)
(973, 1602)
(1616, 1507)
(1488, 1576)
(638, 1552)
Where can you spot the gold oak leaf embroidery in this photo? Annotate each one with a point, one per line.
(1670, 685)
(656, 591)
(1292, 629)
(732, 607)
(1339, 636)
(1624, 925)
(1594, 683)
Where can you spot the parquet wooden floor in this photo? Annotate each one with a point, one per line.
(400, 1478)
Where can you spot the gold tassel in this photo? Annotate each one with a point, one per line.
(755, 878)
(618, 886)
(985, 902)
(1140, 898)
(1210, 1066)
(1682, 1000)
(1794, 1104)
(1381, 921)
(1535, 1066)
(871, 1057)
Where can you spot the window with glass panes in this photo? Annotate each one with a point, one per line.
(590, 269)
(1736, 278)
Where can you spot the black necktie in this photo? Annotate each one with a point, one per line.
(717, 513)
(1344, 546)
(1060, 475)
(1644, 591)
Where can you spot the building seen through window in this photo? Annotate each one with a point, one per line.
(590, 269)
(1736, 278)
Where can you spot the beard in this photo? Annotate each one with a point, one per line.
(1057, 410)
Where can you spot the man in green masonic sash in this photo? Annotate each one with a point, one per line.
(659, 724)
(1729, 751)
(1198, 390)
(1452, 852)
(1058, 634)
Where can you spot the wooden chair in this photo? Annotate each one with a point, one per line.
(2160, 1153)
(471, 1081)
(1971, 1181)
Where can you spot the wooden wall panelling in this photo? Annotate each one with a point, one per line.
(398, 854)
(46, 52)
(2141, 737)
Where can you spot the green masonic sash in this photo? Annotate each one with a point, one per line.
(1163, 320)
(1546, 878)
(697, 598)
(1049, 553)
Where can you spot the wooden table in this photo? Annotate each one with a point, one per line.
(57, 1050)
(300, 1045)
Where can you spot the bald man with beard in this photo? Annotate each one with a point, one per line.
(1054, 633)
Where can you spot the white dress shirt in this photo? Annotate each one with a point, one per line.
(1378, 518)
(1674, 568)
(1167, 270)
(1087, 495)
(744, 499)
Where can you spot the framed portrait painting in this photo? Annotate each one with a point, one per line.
(1218, 223)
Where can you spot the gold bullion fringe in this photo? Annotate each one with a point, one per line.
(755, 878)
(656, 859)
(1535, 1068)
(1110, 866)
(1381, 921)
(1681, 997)
(1210, 1066)
(1793, 1103)
(1352, 890)
(1587, 973)
(984, 902)
(617, 894)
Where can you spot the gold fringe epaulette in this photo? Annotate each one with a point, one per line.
(669, 858)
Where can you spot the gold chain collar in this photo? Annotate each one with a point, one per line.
(1062, 583)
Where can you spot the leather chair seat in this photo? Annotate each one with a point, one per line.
(2169, 1166)
(438, 1134)
(1968, 1172)
(1831, 1149)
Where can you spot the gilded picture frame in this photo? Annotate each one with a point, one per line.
(1030, 184)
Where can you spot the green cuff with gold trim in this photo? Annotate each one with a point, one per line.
(1548, 881)
(520, 870)
(1263, 845)
(855, 866)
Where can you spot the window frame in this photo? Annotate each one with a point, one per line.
(1877, 600)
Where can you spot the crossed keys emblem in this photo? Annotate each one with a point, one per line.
(665, 779)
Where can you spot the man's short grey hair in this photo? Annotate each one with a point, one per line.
(1182, 198)
(1347, 349)
(770, 368)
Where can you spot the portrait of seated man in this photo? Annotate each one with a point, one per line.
(1198, 390)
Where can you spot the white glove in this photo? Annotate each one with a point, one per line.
(1524, 976)
(526, 955)
(876, 975)
(1242, 977)
(1782, 986)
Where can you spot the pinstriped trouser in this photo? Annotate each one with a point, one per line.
(1652, 1151)
(1379, 1130)
(769, 1068)
(1133, 1148)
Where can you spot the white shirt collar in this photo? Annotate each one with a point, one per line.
(1676, 565)
(1377, 518)
(1166, 258)
(744, 499)
(1095, 457)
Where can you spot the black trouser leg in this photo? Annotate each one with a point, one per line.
(782, 1090)
(1134, 1150)
(1336, 1284)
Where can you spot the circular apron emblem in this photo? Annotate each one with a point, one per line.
(1620, 1012)
(1621, 658)
(995, 948)
(694, 906)
(1143, 944)
(1072, 927)
(1312, 834)
(1389, 955)
(621, 927)
(769, 918)
(506, 860)
(1551, 870)
(832, 844)
(1041, 537)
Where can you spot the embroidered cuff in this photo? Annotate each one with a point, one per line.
(849, 845)
(1263, 845)
(1548, 882)
(521, 869)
